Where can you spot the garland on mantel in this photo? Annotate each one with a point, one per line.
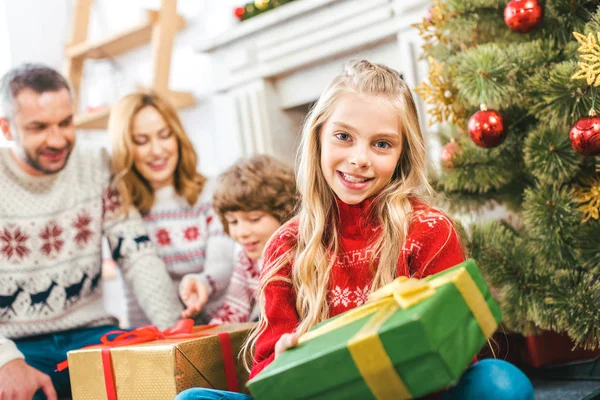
(257, 7)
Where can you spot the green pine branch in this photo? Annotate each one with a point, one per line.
(549, 155)
(555, 99)
(551, 216)
(501, 254)
(562, 17)
(484, 77)
(475, 6)
(586, 237)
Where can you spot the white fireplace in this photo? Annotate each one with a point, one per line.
(270, 69)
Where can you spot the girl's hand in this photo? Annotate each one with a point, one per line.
(194, 295)
(286, 341)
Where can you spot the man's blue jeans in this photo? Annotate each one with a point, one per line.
(43, 352)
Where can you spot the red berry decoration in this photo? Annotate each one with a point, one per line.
(585, 136)
(486, 128)
(523, 16)
(239, 12)
(449, 151)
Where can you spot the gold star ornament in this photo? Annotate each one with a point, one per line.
(589, 64)
(588, 196)
(440, 94)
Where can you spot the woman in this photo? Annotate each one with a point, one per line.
(155, 167)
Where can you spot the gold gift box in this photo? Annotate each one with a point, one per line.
(159, 369)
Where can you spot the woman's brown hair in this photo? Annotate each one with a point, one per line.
(134, 189)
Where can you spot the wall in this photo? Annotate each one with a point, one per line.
(38, 31)
(5, 54)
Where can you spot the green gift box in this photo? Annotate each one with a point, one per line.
(413, 337)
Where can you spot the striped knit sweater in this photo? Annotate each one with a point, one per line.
(240, 300)
(51, 230)
(190, 240)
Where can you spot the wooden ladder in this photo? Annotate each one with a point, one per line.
(159, 29)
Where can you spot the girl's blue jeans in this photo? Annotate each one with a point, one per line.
(488, 379)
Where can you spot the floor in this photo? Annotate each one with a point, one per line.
(571, 381)
(566, 390)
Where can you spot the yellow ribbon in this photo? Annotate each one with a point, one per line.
(366, 347)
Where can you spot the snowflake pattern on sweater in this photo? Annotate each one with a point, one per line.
(190, 240)
(51, 230)
(431, 246)
(350, 297)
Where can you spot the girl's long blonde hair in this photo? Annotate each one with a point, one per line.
(317, 244)
(133, 188)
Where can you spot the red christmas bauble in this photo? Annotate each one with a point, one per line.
(239, 12)
(585, 136)
(486, 128)
(449, 151)
(523, 16)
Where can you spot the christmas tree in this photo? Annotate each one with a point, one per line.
(513, 90)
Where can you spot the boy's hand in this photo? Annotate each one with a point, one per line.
(286, 341)
(194, 295)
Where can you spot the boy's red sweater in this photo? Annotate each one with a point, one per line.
(431, 246)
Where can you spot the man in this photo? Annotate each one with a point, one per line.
(56, 204)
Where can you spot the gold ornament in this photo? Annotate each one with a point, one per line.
(588, 195)
(589, 71)
(261, 4)
(441, 94)
(430, 27)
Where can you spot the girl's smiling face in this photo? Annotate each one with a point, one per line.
(361, 144)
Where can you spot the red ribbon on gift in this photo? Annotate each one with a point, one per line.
(182, 330)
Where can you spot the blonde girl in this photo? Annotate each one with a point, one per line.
(364, 217)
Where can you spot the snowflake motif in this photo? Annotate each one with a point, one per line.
(361, 295)
(191, 233)
(84, 233)
(225, 313)
(162, 237)
(340, 296)
(440, 93)
(589, 64)
(14, 243)
(51, 235)
(431, 219)
(111, 200)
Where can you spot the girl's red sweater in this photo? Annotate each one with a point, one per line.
(432, 245)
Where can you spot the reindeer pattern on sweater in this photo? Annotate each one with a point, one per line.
(51, 230)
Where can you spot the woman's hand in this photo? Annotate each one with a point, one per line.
(286, 341)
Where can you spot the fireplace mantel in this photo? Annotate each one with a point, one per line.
(283, 59)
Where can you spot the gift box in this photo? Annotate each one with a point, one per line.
(134, 366)
(412, 337)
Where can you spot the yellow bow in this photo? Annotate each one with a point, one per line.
(402, 292)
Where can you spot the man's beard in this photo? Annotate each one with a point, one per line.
(33, 161)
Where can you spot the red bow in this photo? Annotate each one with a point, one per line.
(182, 330)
